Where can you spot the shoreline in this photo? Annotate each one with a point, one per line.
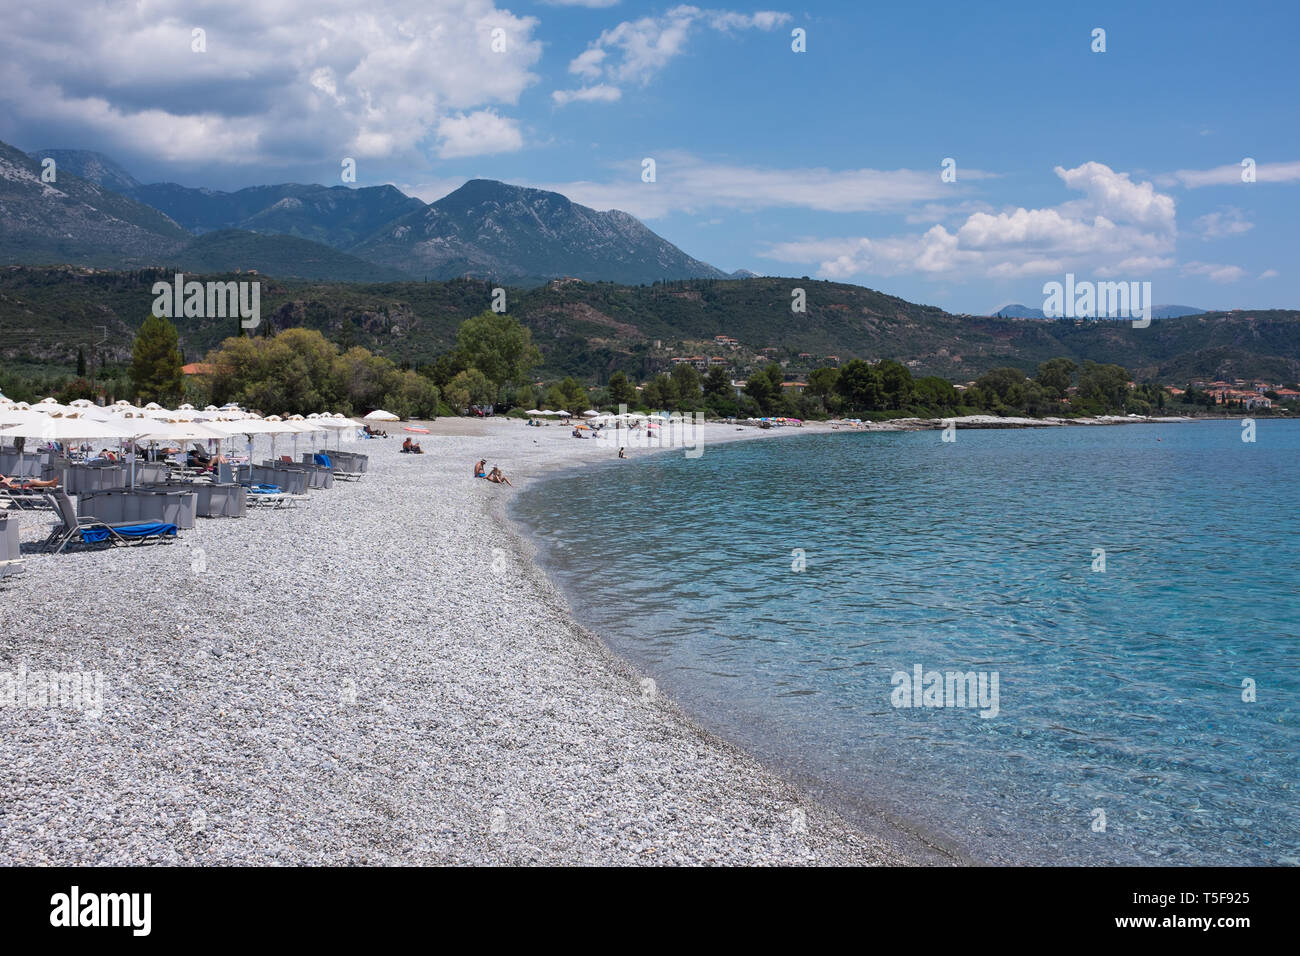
(380, 676)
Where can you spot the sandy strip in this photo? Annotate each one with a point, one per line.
(379, 676)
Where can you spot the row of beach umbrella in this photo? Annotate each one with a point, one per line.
(81, 420)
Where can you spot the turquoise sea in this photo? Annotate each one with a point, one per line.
(1121, 733)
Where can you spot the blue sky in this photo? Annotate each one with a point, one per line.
(1116, 165)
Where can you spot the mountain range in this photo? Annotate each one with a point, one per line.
(1015, 310)
(485, 229)
(589, 330)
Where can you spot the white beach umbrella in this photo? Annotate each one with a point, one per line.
(379, 415)
(337, 425)
(65, 428)
(50, 406)
(253, 426)
(591, 413)
(10, 415)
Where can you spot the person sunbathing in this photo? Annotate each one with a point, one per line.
(497, 477)
(20, 484)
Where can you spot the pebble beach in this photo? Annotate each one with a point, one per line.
(378, 676)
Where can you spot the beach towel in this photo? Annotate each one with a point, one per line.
(148, 529)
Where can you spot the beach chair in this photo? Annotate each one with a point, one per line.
(326, 462)
(270, 496)
(93, 531)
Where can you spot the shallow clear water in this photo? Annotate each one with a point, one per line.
(1120, 690)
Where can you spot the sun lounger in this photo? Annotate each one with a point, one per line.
(326, 462)
(25, 498)
(93, 531)
(270, 496)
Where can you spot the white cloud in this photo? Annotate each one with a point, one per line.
(1213, 271)
(287, 82)
(482, 133)
(1269, 274)
(1230, 175)
(1119, 224)
(593, 4)
(635, 50)
(601, 92)
(1228, 221)
(685, 183)
(1114, 195)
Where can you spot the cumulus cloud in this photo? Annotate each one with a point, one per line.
(1225, 222)
(635, 50)
(1118, 224)
(293, 81)
(1269, 274)
(477, 134)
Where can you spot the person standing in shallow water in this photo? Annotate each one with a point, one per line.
(622, 453)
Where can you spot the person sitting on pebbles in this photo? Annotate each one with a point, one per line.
(495, 476)
(480, 470)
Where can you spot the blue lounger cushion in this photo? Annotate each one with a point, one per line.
(264, 489)
(146, 529)
(323, 460)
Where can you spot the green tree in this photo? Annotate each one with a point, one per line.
(716, 384)
(821, 384)
(1056, 375)
(687, 381)
(860, 385)
(1002, 387)
(470, 387)
(660, 393)
(935, 393)
(576, 399)
(81, 362)
(1103, 387)
(621, 391)
(156, 362)
(896, 382)
(498, 346)
(764, 387)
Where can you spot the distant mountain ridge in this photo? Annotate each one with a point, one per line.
(489, 229)
(484, 229)
(75, 220)
(1015, 310)
(91, 166)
